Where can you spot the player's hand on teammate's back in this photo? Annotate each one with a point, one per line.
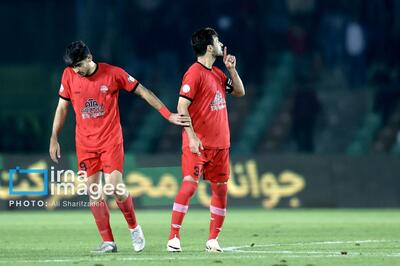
(180, 120)
(195, 145)
(55, 151)
(229, 60)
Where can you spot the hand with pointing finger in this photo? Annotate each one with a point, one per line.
(229, 60)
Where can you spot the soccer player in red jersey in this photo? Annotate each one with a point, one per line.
(206, 142)
(93, 90)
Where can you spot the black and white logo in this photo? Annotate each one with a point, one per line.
(218, 103)
(92, 109)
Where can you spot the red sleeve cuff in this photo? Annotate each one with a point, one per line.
(187, 98)
(134, 87)
(64, 98)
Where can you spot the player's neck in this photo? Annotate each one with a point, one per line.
(92, 69)
(206, 60)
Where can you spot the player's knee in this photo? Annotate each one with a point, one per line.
(119, 191)
(189, 178)
(122, 197)
(94, 191)
(188, 188)
(95, 197)
(219, 189)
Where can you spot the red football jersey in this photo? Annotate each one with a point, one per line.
(205, 88)
(95, 102)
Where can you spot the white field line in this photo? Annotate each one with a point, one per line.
(110, 257)
(312, 252)
(182, 258)
(235, 248)
(178, 257)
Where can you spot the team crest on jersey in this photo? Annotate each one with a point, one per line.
(103, 88)
(92, 109)
(186, 88)
(218, 103)
(130, 78)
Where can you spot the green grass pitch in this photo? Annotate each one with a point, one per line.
(250, 237)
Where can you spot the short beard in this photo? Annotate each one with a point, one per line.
(215, 55)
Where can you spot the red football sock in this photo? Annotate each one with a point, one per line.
(181, 206)
(101, 215)
(128, 211)
(217, 208)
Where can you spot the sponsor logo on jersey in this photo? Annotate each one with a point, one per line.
(92, 109)
(218, 103)
(130, 78)
(103, 88)
(61, 88)
(186, 88)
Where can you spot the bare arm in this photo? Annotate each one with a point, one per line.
(58, 123)
(237, 84)
(149, 97)
(238, 88)
(195, 144)
(156, 103)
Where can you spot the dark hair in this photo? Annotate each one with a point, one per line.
(75, 52)
(202, 38)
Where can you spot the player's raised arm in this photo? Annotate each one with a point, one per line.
(155, 102)
(237, 84)
(58, 123)
(195, 144)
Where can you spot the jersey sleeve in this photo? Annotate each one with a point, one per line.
(125, 81)
(190, 85)
(65, 90)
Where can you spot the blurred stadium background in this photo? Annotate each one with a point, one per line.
(319, 126)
